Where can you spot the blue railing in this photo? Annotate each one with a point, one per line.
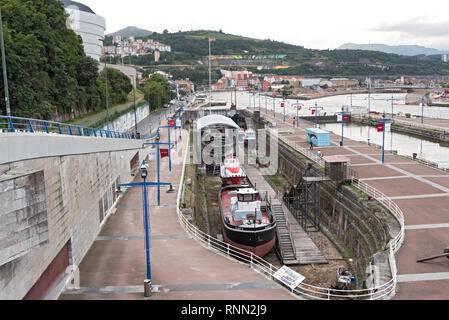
(16, 124)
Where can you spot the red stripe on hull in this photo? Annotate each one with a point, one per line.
(259, 251)
(233, 181)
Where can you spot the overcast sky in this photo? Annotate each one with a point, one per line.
(317, 24)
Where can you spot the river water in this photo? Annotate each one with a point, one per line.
(403, 144)
(379, 103)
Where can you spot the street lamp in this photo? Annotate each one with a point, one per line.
(315, 111)
(381, 126)
(145, 184)
(5, 75)
(392, 106)
(298, 108)
(422, 111)
(135, 111)
(343, 114)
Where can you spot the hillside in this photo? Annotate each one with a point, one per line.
(192, 48)
(131, 31)
(406, 50)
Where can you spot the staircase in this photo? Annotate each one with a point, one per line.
(285, 242)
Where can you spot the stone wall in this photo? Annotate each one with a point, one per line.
(347, 220)
(23, 213)
(79, 193)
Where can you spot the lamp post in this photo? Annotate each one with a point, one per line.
(283, 106)
(274, 106)
(422, 111)
(210, 77)
(343, 113)
(266, 105)
(5, 74)
(381, 125)
(135, 110)
(315, 110)
(259, 101)
(392, 106)
(298, 108)
(169, 141)
(145, 184)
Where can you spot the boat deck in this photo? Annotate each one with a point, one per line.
(226, 196)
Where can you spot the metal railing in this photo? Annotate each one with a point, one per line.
(268, 270)
(17, 124)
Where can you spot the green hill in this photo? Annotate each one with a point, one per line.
(131, 31)
(192, 48)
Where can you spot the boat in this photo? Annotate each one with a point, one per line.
(231, 173)
(245, 224)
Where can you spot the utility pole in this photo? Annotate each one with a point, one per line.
(135, 111)
(392, 106)
(107, 99)
(5, 75)
(210, 78)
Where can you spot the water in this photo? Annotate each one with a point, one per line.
(379, 103)
(403, 144)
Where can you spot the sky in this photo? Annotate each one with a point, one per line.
(316, 24)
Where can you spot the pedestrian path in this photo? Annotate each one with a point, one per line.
(420, 191)
(181, 269)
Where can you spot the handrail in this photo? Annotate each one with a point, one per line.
(14, 124)
(268, 270)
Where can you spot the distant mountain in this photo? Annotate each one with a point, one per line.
(132, 31)
(404, 50)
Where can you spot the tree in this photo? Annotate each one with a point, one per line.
(49, 74)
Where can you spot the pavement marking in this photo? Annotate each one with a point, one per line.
(178, 288)
(423, 277)
(427, 226)
(165, 237)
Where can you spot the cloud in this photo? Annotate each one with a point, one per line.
(418, 27)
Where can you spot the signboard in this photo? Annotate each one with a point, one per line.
(346, 117)
(380, 127)
(164, 153)
(289, 277)
(387, 127)
(299, 108)
(178, 122)
(172, 123)
(313, 111)
(282, 105)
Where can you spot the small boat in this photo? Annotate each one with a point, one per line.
(246, 224)
(231, 173)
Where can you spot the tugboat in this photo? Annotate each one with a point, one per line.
(231, 173)
(245, 224)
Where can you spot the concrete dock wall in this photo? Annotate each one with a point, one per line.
(77, 177)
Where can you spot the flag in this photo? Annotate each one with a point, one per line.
(380, 127)
(282, 105)
(313, 111)
(164, 153)
(172, 123)
(388, 127)
(299, 108)
(346, 117)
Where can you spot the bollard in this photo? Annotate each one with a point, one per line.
(147, 288)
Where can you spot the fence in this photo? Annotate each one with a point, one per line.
(16, 124)
(268, 270)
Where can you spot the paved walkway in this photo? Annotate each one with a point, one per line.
(422, 194)
(115, 267)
